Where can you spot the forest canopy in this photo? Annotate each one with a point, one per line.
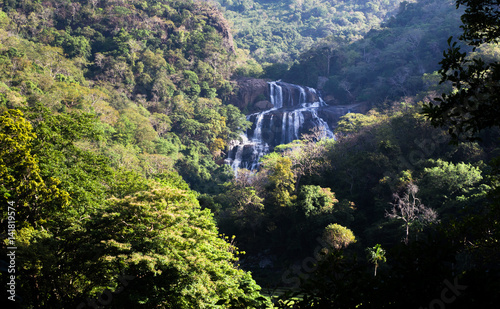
(115, 124)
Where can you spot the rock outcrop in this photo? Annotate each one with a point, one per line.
(248, 92)
(332, 114)
(263, 105)
(280, 113)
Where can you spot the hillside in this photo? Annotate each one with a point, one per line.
(154, 72)
(279, 31)
(377, 60)
(393, 61)
(102, 102)
(116, 125)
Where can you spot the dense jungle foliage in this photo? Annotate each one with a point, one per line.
(393, 60)
(277, 31)
(355, 51)
(102, 103)
(114, 125)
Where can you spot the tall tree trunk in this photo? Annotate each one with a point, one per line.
(407, 232)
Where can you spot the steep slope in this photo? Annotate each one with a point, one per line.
(278, 31)
(101, 102)
(155, 73)
(389, 62)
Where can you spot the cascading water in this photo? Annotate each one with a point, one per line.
(294, 112)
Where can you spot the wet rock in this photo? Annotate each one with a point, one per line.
(263, 105)
(290, 111)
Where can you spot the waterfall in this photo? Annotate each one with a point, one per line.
(235, 164)
(276, 95)
(322, 125)
(294, 112)
(283, 126)
(302, 95)
(257, 133)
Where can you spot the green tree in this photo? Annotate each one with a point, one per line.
(58, 187)
(59, 146)
(243, 208)
(74, 46)
(338, 236)
(314, 200)
(354, 122)
(307, 155)
(21, 179)
(474, 104)
(443, 183)
(281, 179)
(376, 255)
(171, 247)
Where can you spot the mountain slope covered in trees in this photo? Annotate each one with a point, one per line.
(114, 125)
(152, 71)
(279, 31)
(102, 102)
(389, 62)
(378, 60)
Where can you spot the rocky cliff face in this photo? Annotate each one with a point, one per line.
(252, 94)
(332, 113)
(289, 111)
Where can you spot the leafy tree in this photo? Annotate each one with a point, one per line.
(243, 208)
(65, 187)
(281, 179)
(83, 175)
(445, 182)
(307, 155)
(376, 255)
(74, 46)
(338, 236)
(59, 147)
(473, 105)
(163, 239)
(354, 122)
(235, 121)
(22, 181)
(314, 200)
